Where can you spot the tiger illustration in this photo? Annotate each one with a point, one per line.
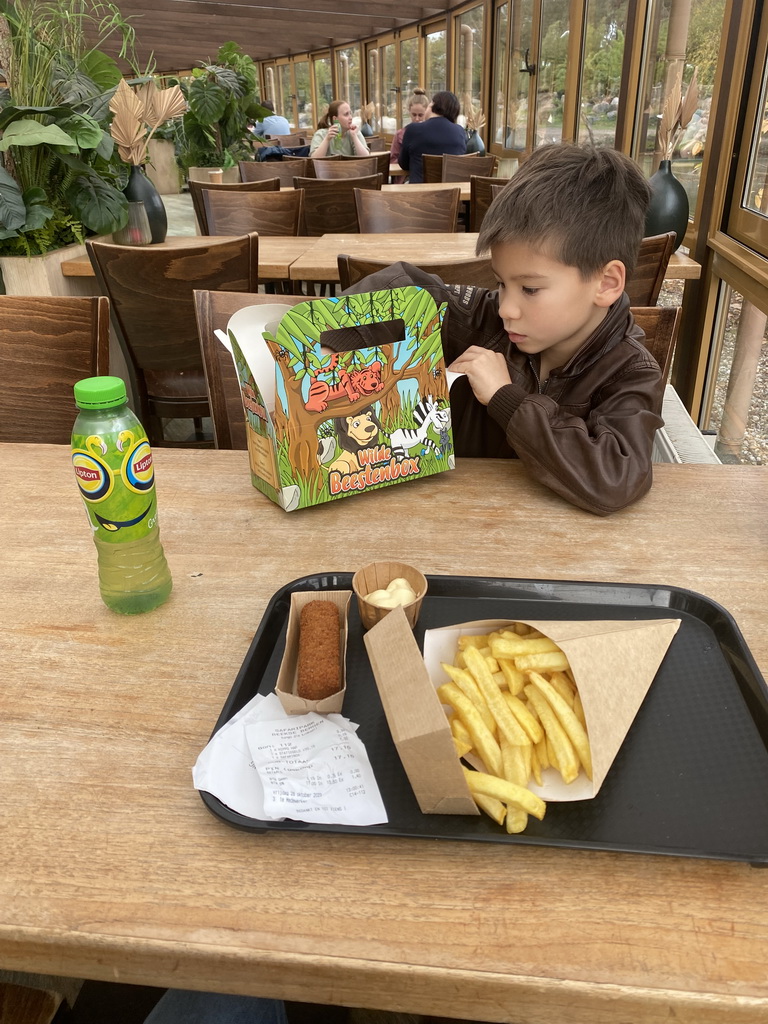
(353, 383)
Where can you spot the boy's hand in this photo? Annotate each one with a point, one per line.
(487, 371)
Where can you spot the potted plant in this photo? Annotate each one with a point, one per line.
(60, 178)
(222, 101)
(138, 113)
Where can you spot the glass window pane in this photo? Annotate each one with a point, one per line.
(468, 74)
(303, 95)
(603, 58)
(519, 90)
(739, 407)
(435, 58)
(373, 107)
(683, 38)
(550, 77)
(498, 134)
(388, 99)
(409, 76)
(348, 71)
(284, 105)
(755, 197)
(323, 84)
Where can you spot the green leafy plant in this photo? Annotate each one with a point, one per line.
(60, 177)
(221, 98)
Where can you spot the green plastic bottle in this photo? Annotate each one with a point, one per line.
(113, 468)
(337, 142)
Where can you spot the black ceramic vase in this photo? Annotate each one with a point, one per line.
(669, 204)
(475, 142)
(141, 189)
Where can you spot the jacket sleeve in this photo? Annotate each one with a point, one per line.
(601, 462)
(404, 156)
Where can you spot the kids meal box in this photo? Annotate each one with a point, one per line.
(325, 424)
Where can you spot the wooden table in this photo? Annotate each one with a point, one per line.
(318, 262)
(276, 254)
(422, 186)
(113, 869)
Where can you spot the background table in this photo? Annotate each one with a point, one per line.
(113, 868)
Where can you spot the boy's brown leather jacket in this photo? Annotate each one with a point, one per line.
(587, 433)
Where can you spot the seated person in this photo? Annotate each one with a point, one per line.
(418, 104)
(275, 124)
(556, 372)
(437, 134)
(337, 134)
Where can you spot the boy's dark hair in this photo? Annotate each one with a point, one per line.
(585, 206)
(446, 104)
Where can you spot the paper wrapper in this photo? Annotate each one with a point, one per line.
(286, 679)
(377, 576)
(613, 662)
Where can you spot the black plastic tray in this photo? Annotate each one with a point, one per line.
(691, 778)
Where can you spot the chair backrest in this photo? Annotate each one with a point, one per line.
(294, 139)
(452, 167)
(150, 290)
(374, 142)
(196, 189)
(644, 285)
(213, 310)
(329, 204)
(284, 170)
(482, 191)
(382, 163)
(435, 210)
(475, 271)
(269, 213)
(49, 343)
(351, 167)
(660, 326)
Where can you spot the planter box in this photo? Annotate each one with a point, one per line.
(41, 275)
(162, 169)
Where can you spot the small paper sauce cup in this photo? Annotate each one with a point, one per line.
(377, 576)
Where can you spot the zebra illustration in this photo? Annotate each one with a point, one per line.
(426, 414)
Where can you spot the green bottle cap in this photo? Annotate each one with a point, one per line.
(100, 393)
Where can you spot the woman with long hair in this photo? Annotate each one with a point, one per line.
(337, 134)
(438, 134)
(418, 104)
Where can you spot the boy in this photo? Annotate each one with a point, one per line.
(556, 373)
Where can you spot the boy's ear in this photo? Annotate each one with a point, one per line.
(613, 277)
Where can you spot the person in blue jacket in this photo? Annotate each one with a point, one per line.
(438, 134)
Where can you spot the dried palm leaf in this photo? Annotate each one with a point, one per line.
(138, 113)
(677, 113)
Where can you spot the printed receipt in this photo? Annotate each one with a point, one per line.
(314, 770)
(269, 765)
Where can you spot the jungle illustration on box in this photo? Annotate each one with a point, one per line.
(335, 423)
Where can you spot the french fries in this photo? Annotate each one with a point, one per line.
(514, 705)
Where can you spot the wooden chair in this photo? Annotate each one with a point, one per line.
(346, 167)
(450, 167)
(284, 170)
(269, 213)
(294, 139)
(329, 205)
(660, 325)
(644, 285)
(437, 210)
(22, 1004)
(482, 191)
(197, 188)
(150, 291)
(49, 343)
(382, 163)
(212, 311)
(476, 271)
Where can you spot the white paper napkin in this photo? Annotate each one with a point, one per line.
(268, 765)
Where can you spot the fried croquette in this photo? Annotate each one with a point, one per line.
(319, 664)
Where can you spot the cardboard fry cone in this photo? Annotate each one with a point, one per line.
(613, 664)
(377, 576)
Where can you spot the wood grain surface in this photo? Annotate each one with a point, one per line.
(113, 869)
